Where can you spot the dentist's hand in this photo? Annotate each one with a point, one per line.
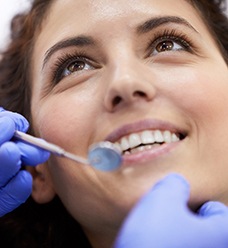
(15, 184)
(161, 219)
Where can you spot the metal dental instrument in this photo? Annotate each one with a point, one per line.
(102, 156)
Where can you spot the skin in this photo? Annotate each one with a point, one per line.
(126, 83)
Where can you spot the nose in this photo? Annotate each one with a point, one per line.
(127, 85)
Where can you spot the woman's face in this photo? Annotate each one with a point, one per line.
(130, 72)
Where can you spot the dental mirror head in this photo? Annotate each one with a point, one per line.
(104, 156)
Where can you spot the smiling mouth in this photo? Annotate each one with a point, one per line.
(146, 140)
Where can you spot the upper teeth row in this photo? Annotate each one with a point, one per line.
(146, 137)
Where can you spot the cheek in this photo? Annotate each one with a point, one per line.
(63, 121)
(205, 101)
(203, 94)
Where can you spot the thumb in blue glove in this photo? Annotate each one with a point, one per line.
(15, 184)
(162, 219)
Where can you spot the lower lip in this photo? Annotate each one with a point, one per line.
(148, 155)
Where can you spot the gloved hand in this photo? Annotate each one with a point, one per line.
(15, 184)
(161, 219)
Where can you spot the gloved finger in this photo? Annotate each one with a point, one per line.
(215, 220)
(164, 203)
(213, 208)
(173, 191)
(7, 129)
(10, 162)
(32, 155)
(20, 122)
(15, 192)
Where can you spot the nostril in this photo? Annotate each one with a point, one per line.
(116, 100)
(136, 94)
(139, 94)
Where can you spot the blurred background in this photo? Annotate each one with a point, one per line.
(9, 8)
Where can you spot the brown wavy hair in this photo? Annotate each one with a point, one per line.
(49, 225)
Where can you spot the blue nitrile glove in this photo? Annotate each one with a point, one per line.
(161, 219)
(15, 184)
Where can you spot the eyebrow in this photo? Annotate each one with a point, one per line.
(85, 41)
(78, 41)
(159, 21)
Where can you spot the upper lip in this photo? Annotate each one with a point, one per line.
(148, 124)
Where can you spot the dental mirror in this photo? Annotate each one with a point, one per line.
(103, 156)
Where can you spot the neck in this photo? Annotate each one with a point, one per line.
(101, 237)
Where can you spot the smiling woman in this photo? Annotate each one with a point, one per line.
(140, 74)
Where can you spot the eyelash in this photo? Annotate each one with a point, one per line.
(172, 35)
(62, 62)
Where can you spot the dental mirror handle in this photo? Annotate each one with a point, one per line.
(49, 147)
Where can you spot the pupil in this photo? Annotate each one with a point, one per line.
(76, 66)
(165, 46)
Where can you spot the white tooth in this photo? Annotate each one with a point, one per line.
(147, 137)
(153, 146)
(117, 145)
(134, 140)
(134, 150)
(137, 149)
(148, 147)
(140, 148)
(167, 137)
(158, 136)
(174, 138)
(124, 144)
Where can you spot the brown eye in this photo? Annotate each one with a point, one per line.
(169, 45)
(165, 46)
(76, 66)
(170, 41)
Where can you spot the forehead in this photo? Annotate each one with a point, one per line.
(113, 7)
(67, 16)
